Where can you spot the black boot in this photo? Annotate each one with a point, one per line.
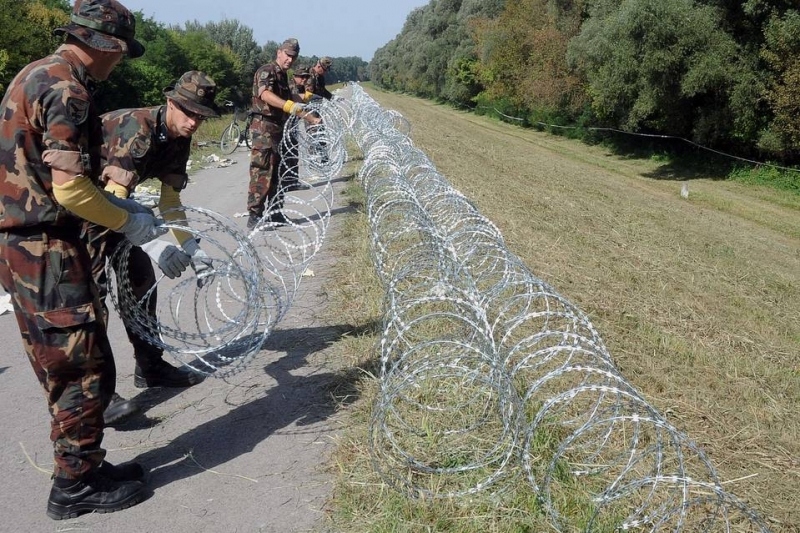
(297, 186)
(159, 373)
(278, 219)
(119, 409)
(252, 220)
(122, 472)
(94, 493)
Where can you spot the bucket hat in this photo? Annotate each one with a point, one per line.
(104, 25)
(195, 91)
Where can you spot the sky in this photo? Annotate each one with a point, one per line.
(336, 28)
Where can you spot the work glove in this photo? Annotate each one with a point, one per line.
(141, 228)
(170, 259)
(293, 108)
(201, 262)
(129, 205)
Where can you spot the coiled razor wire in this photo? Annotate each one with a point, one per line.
(216, 325)
(488, 374)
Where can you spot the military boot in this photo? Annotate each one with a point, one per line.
(155, 372)
(119, 409)
(277, 218)
(94, 493)
(252, 220)
(123, 472)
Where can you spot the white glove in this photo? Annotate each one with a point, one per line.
(201, 262)
(141, 227)
(171, 260)
(128, 204)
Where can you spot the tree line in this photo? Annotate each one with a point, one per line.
(226, 50)
(723, 74)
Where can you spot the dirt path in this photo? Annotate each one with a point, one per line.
(246, 453)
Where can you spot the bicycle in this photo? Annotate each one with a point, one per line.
(235, 134)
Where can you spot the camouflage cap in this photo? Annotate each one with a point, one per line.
(301, 72)
(291, 46)
(325, 62)
(195, 91)
(104, 25)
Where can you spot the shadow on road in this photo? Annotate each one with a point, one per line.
(300, 400)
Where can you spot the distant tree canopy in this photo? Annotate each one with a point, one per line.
(720, 73)
(26, 32)
(724, 74)
(226, 50)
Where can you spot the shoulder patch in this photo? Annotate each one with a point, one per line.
(77, 110)
(263, 75)
(139, 147)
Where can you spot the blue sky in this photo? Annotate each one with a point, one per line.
(338, 28)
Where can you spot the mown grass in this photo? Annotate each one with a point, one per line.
(698, 300)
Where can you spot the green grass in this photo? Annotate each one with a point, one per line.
(770, 176)
(697, 300)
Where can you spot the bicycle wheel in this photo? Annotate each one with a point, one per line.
(229, 139)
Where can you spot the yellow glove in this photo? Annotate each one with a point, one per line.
(86, 200)
(120, 191)
(170, 198)
(293, 108)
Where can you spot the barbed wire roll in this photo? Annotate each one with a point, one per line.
(522, 367)
(430, 425)
(214, 329)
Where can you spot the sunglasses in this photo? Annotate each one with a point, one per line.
(190, 114)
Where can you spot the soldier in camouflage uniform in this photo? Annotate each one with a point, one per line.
(315, 89)
(297, 86)
(315, 86)
(50, 138)
(153, 142)
(272, 105)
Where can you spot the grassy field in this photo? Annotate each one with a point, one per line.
(697, 299)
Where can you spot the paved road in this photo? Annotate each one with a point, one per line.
(241, 454)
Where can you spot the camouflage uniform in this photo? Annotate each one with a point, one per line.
(298, 90)
(291, 178)
(315, 85)
(44, 265)
(267, 128)
(136, 147)
(316, 82)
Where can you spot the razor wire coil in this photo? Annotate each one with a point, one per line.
(488, 375)
(217, 325)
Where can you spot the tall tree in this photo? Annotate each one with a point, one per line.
(781, 51)
(26, 32)
(664, 65)
(523, 56)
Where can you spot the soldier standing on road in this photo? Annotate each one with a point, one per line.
(153, 142)
(50, 138)
(272, 105)
(315, 89)
(291, 179)
(315, 86)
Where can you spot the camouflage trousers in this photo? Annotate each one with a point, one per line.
(102, 243)
(265, 162)
(47, 273)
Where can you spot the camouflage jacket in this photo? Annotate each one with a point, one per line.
(136, 148)
(270, 77)
(47, 120)
(316, 85)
